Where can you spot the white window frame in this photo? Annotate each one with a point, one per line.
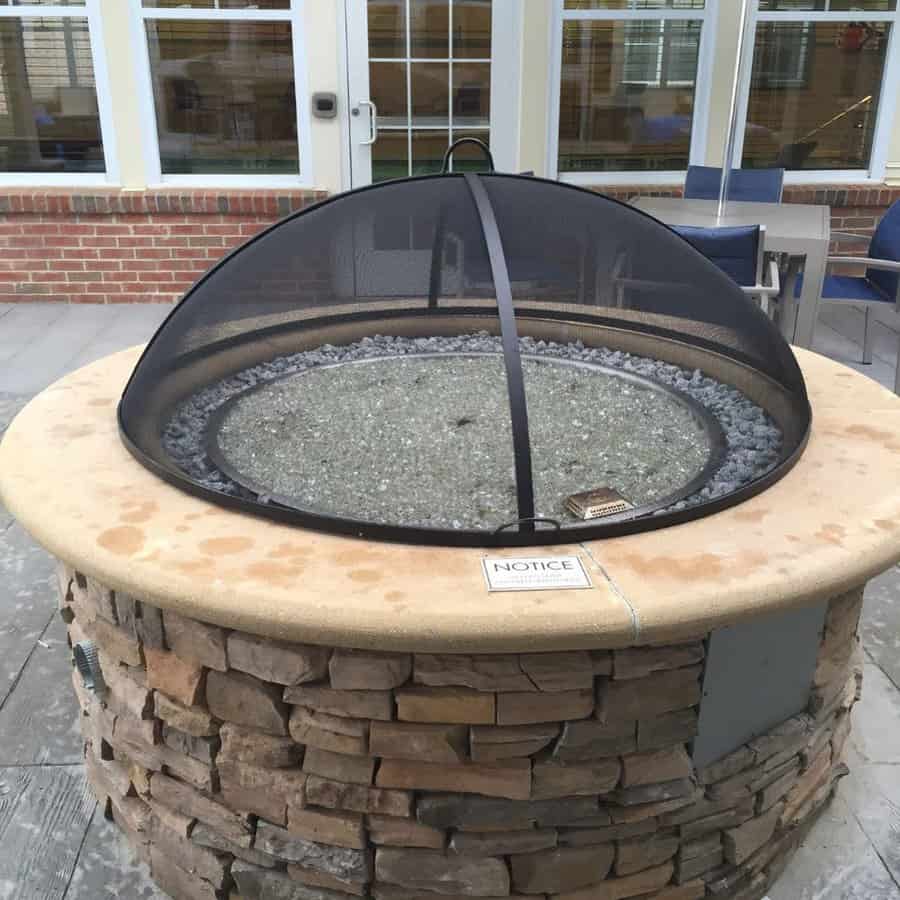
(91, 12)
(702, 92)
(295, 15)
(886, 104)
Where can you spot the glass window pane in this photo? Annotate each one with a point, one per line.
(431, 94)
(814, 94)
(428, 149)
(598, 4)
(828, 5)
(49, 120)
(390, 155)
(387, 88)
(472, 29)
(429, 29)
(788, 5)
(635, 4)
(471, 94)
(217, 4)
(224, 94)
(862, 5)
(387, 28)
(627, 94)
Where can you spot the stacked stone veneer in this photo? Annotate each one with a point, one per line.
(246, 768)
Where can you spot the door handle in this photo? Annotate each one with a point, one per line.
(373, 122)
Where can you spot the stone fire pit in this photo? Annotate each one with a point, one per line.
(293, 714)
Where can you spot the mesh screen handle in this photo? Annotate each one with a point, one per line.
(509, 336)
(445, 166)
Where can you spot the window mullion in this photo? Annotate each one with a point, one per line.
(42, 12)
(824, 16)
(450, 77)
(662, 56)
(409, 108)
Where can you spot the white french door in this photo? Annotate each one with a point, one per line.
(424, 73)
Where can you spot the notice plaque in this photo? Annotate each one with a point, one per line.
(535, 573)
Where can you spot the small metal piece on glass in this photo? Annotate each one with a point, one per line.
(595, 504)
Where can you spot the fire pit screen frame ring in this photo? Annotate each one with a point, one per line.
(707, 423)
(536, 520)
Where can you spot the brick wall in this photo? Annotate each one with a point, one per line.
(150, 246)
(124, 247)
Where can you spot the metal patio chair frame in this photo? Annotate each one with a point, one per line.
(884, 265)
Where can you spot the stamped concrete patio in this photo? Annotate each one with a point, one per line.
(53, 842)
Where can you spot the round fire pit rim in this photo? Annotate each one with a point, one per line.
(67, 478)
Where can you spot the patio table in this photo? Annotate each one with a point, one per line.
(793, 228)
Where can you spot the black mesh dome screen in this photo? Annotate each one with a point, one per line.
(502, 271)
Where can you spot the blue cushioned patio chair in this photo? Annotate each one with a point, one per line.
(740, 252)
(757, 185)
(879, 287)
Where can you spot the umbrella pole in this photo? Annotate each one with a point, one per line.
(732, 119)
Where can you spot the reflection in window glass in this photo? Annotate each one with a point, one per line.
(387, 28)
(827, 5)
(390, 155)
(814, 94)
(224, 94)
(430, 89)
(49, 119)
(635, 4)
(429, 29)
(428, 148)
(387, 88)
(218, 4)
(472, 29)
(627, 94)
(472, 94)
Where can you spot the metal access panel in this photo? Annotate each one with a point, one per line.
(758, 674)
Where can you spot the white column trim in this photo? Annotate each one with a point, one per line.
(506, 83)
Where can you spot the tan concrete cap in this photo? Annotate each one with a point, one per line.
(830, 524)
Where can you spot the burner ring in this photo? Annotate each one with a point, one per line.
(707, 424)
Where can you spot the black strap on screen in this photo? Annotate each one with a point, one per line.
(515, 381)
